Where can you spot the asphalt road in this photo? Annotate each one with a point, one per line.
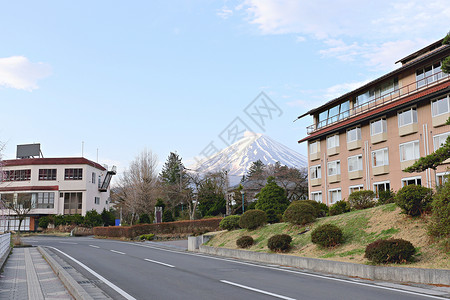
(142, 271)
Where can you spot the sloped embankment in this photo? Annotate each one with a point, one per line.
(360, 228)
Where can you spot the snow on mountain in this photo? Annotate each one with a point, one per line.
(238, 157)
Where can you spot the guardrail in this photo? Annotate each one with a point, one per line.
(412, 88)
(5, 240)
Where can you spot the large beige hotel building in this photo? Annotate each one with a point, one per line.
(365, 138)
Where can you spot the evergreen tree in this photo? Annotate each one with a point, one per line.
(211, 195)
(256, 170)
(272, 199)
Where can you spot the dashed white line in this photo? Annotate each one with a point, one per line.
(107, 282)
(70, 243)
(257, 290)
(118, 252)
(93, 246)
(158, 262)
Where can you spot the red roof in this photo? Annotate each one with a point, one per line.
(52, 161)
(376, 111)
(29, 188)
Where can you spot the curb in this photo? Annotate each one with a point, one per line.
(396, 274)
(72, 286)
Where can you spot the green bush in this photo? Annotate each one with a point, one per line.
(93, 219)
(299, 213)
(317, 207)
(385, 197)
(144, 219)
(230, 223)
(279, 242)
(253, 219)
(414, 199)
(272, 197)
(440, 212)
(147, 237)
(43, 222)
(324, 209)
(339, 207)
(361, 199)
(273, 216)
(390, 251)
(108, 217)
(327, 235)
(244, 241)
(167, 216)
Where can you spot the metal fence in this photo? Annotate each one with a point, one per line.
(4, 243)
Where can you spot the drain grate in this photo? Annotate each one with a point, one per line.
(67, 267)
(89, 281)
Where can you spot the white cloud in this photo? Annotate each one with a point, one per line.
(18, 72)
(340, 89)
(300, 39)
(224, 12)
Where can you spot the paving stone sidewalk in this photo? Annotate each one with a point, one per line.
(26, 275)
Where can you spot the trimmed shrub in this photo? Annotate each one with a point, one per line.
(299, 213)
(440, 209)
(92, 219)
(327, 235)
(244, 241)
(108, 218)
(253, 219)
(147, 237)
(324, 209)
(272, 216)
(43, 222)
(314, 204)
(279, 242)
(338, 208)
(272, 197)
(390, 251)
(385, 197)
(230, 223)
(361, 199)
(414, 199)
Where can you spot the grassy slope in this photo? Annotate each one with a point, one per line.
(360, 228)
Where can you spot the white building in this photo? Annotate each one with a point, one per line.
(55, 186)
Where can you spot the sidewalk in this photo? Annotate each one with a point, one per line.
(26, 275)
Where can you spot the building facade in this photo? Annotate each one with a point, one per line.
(54, 186)
(367, 137)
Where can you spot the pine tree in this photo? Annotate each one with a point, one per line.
(272, 199)
(256, 170)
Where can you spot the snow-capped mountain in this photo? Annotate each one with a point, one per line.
(238, 157)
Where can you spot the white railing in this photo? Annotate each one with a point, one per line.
(5, 240)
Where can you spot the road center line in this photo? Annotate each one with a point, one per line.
(93, 246)
(257, 290)
(107, 282)
(118, 252)
(158, 262)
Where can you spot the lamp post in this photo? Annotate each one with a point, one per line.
(243, 204)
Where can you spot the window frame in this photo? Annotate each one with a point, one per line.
(358, 186)
(336, 141)
(377, 190)
(438, 136)
(73, 174)
(407, 143)
(337, 167)
(383, 126)
(47, 174)
(358, 134)
(447, 97)
(443, 175)
(359, 162)
(330, 191)
(317, 193)
(319, 172)
(415, 178)
(385, 150)
(317, 144)
(413, 111)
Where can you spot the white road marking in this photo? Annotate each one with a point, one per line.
(107, 282)
(70, 243)
(257, 290)
(117, 252)
(158, 262)
(295, 272)
(93, 246)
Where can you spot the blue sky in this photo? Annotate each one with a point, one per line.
(122, 76)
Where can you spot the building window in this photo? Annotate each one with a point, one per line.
(314, 147)
(73, 203)
(355, 188)
(409, 151)
(441, 178)
(334, 114)
(7, 199)
(47, 174)
(439, 140)
(355, 163)
(97, 200)
(335, 195)
(407, 117)
(45, 200)
(333, 141)
(93, 177)
(378, 92)
(380, 187)
(316, 172)
(99, 181)
(412, 180)
(16, 175)
(440, 106)
(380, 158)
(334, 168)
(428, 74)
(354, 134)
(378, 126)
(316, 196)
(73, 174)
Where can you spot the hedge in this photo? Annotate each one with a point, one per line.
(179, 227)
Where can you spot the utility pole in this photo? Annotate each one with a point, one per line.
(227, 198)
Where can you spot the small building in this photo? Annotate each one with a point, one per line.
(367, 137)
(55, 186)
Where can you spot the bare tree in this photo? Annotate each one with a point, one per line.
(138, 187)
(21, 207)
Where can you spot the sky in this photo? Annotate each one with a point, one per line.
(109, 79)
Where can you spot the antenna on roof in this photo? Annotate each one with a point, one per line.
(82, 148)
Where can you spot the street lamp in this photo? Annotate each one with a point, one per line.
(243, 204)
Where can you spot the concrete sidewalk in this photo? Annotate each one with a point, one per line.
(26, 275)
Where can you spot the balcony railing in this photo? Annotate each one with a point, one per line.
(416, 86)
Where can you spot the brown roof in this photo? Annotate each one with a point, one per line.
(52, 161)
(29, 188)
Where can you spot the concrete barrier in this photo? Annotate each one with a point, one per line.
(194, 242)
(399, 274)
